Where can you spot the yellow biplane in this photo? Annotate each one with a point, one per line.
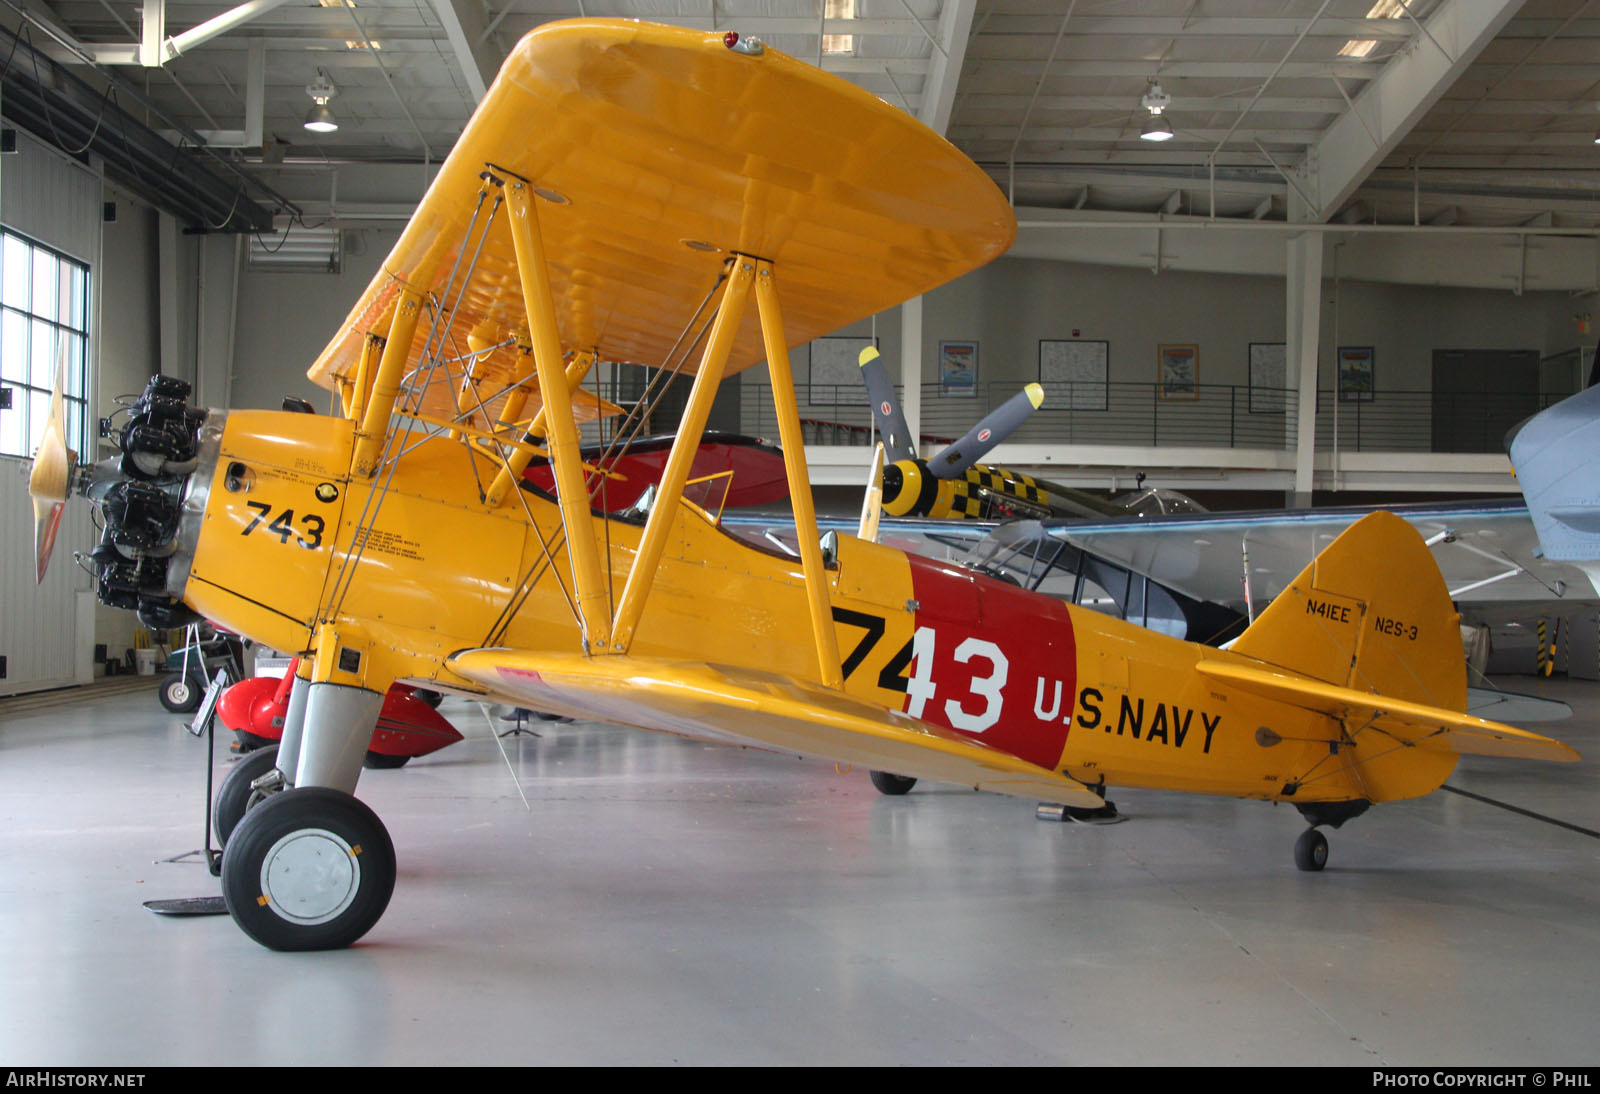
(695, 201)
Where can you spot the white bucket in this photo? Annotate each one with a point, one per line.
(144, 662)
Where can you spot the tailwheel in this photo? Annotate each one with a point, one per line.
(382, 761)
(1311, 850)
(235, 797)
(308, 869)
(892, 784)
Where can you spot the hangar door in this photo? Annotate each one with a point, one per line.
(1479, 394)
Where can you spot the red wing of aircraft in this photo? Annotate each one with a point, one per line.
(699, 203)
(729, 471)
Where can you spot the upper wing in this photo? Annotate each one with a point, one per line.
(743, 706)
(1203, 555)
(658, 152)
(1408, 723)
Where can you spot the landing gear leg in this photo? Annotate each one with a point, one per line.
(339, 720)
(1311, 850)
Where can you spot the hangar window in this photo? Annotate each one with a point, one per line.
(44, 317)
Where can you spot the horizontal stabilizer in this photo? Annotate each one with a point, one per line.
(1408, 723)
(769, 710)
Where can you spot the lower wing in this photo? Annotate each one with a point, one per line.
(768, 710)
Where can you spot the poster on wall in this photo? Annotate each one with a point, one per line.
(958, 370)
(1356, 379)
(836, 372)
(1074, 374)
(1179, 372)
(1268, 377)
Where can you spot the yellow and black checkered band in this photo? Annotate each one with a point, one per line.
(965, 503)
(1002, 482)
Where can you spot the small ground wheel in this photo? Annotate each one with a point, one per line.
(382, 761)
(1311, 850)
(181, 694)
(892, 784)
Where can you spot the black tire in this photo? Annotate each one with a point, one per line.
(234, 797)
(181, 694)
(427, 695)
(892, 784)
(378, 761)
(1311, 850)
(249, 742)
(308, 869)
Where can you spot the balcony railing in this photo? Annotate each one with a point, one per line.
(1217, 415)
(1425, 421)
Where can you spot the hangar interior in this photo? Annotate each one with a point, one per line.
(1370, 245)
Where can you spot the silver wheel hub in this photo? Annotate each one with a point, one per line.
(310, 876)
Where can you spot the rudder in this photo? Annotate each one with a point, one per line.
(1371, 612)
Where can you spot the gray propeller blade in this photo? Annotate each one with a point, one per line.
(995, 427)
(897, 441)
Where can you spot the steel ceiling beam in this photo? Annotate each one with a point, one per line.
(66, 111)
(464, 28)
(1391, 105)
(939, 90)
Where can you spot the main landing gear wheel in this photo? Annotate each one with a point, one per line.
(892, 784)
(234, 796)
(308, 869)
(180, 695)
(1311, 850)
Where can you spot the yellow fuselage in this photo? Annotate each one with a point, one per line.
(439, 572)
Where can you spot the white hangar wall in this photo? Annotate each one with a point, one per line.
(47, 630)
(160, 300)
(1013, 304)
(286, 318)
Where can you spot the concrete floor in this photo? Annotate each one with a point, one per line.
(668, 902)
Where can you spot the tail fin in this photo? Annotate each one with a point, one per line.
(1371, 613)
(1366, 636)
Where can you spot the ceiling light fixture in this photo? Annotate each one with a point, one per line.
(1363, 47)
(1156, 101)
(1155, 128)
(836, 44)
(319, 119)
